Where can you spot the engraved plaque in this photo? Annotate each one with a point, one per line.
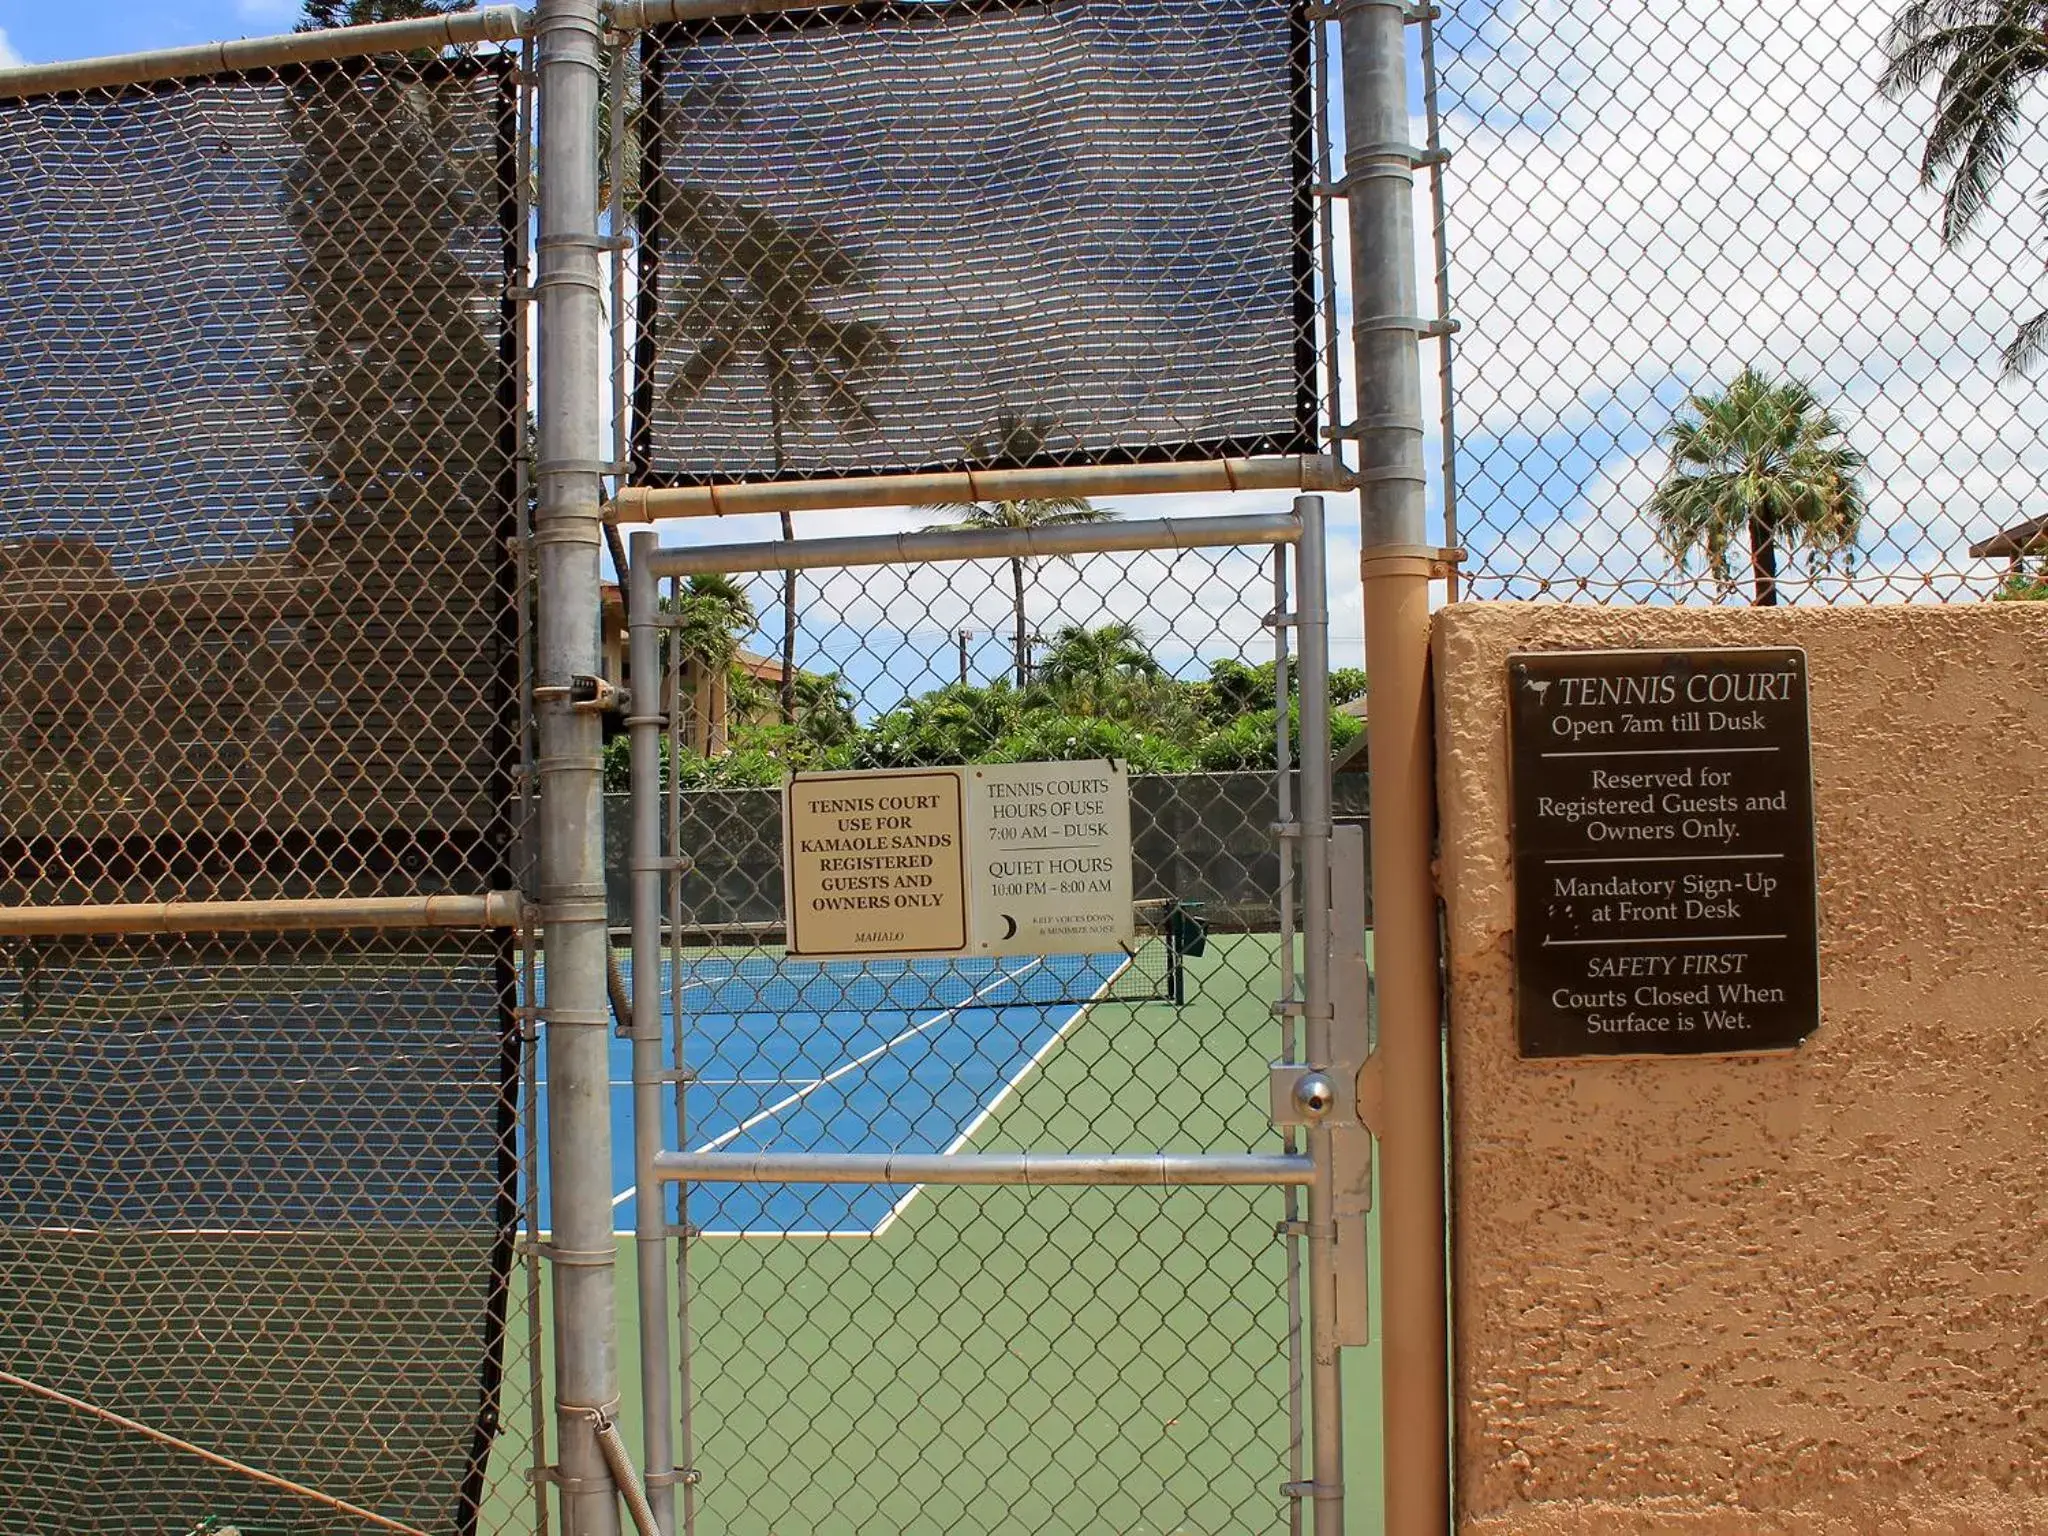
(1663, 852)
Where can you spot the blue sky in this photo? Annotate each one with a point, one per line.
(1646, 195)
(40, 32)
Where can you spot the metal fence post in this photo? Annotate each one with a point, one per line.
(1312, 626)
(650, 1228)
(570, 450)
(1380, 189)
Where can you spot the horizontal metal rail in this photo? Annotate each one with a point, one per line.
(496, 909)
(1299, 472)
(1153, 1170)
(492, 24)
(939, 545)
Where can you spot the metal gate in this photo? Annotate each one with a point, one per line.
(1044, 1242)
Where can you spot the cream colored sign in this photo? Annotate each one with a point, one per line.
(1049, 858)
(1003, 859)
(874, 863)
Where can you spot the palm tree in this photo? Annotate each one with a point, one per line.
(711, 613)
(1012, 439)
(750, 301)
(1986, 54)
(1765, 461)
(825, 708)
(1098, 671)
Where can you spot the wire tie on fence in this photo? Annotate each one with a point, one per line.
(572, 466)
(569, 1485)
(568, 526)
(1378, 421)
(568, 277)
(577, 1258)
(1310, 1490)
(573, 242)
(600, 1418)
(1387, 472)
(578, 903)
(1421, 325)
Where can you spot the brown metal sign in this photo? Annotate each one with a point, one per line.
(1663, 852)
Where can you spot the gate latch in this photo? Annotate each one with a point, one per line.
(593, 695)
(1300, 1095)
(588, 694)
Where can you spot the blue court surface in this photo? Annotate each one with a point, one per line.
(870, 1056)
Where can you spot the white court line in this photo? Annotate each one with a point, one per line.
(790, 1101)
(988, 1110)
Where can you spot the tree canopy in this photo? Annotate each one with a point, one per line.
(1101, 693)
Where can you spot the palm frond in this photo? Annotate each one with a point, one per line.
(2029, 345)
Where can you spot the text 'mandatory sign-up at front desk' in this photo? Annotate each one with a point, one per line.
(998, 859)
(1663, 852)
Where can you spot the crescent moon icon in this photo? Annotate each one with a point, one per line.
(1009, 926)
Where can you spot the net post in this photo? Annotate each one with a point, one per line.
(1415, 1370)
(568, 287)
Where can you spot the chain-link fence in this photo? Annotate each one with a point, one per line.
(273, 1160)
(260, 635)
(900, 1357)
(1740, 289)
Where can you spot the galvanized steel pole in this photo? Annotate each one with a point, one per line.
(650, 1196)
(1379, 180)
(1312, 627)
(567, 535)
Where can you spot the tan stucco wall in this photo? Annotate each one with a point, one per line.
(1795, 1294)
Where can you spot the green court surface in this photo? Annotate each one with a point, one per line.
(999, 1361)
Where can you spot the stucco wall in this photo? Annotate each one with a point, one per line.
(1796, 1294)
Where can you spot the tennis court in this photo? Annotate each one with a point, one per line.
(1008, 1361)
(867, 1056)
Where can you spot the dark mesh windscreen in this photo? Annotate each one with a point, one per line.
(256, 400)
(257, 640)
(897, 236)
(251, 1194)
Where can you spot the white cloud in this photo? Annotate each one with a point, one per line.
(9, 59)
(1650, 191)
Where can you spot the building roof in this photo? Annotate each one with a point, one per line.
(766, 669)
(2028, 538)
